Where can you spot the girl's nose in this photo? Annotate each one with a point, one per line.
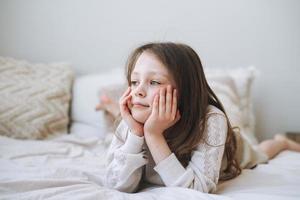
(140, 92)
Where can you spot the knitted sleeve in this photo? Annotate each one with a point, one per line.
(125, 160)
(203, 170)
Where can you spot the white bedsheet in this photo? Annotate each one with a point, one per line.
(72, 167)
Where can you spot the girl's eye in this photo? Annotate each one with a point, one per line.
(154, 83)
(133, 83)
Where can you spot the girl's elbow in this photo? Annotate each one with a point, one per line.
(124, 188)
(202, 187)
(119, 184)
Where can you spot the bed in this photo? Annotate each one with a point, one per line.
(72, 167)
(71, 163)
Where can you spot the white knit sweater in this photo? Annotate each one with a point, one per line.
(129, 160)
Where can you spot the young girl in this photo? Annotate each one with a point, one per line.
(174, 130)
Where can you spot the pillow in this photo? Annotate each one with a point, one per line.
(232, 86)
(86, 95)
(35, 98)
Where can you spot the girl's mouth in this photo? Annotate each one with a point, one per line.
(139, 105)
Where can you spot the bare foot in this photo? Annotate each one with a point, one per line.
(291, 145)
(109, 105)
(280, 137)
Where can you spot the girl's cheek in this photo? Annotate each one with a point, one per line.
(154, 93)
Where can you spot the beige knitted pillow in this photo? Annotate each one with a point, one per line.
(234, 89)
(34, 98)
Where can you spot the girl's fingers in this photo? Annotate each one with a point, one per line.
(125, 101)
(125, 104)
(126, 92)
(155, 105)
(129, 103)
(174, 104)
(125, 96)
(169, 100)
(177, 116)
(162, 101)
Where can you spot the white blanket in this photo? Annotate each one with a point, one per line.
(72, 167)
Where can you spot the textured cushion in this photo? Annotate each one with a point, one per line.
(35, 98)
(232, 86)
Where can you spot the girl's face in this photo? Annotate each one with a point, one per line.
(147, 77)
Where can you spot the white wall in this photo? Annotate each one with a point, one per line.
(96, 35)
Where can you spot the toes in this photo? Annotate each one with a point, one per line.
(105, 99)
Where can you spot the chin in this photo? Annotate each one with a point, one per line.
(139, 116)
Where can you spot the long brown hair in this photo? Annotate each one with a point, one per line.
(195, 95)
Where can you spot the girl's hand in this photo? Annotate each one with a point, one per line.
(135, 127)
(164, 112)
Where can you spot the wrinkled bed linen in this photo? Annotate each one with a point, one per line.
(73, 167)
